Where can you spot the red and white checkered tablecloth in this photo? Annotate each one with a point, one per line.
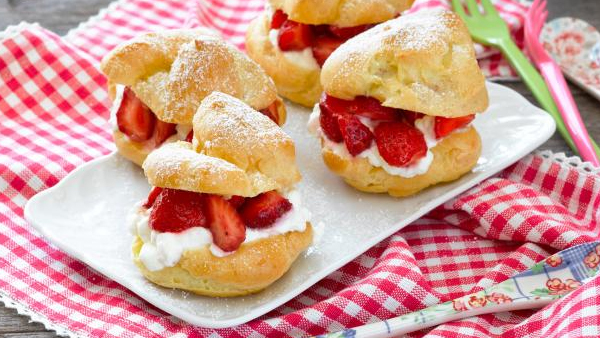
(53, 111)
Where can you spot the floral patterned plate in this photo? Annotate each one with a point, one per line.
(538, 286)
(575, 46)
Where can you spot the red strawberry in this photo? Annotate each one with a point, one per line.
(271, 112)
(319, 30)
(162, 131)
(329, 123)
(371, 107)
(152, 197)
(411, 117)
(189, 136)
(177, 210)
(279, 17)
(263, 210)
(236, 201)
(444, 126)
(348, 32)
(134, 118)
(363, 106)
(294, 36)
(225, 224)
(357, 136)
(399, 143)
(323, 46)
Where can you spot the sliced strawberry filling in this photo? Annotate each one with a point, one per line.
(357, 136)
(177, 210)
(397, 139)
(139, 123)
(399, 143)
(227, 219)
(189, 136)
(322, 39)
(445, 126)
(263, 210)
(271, 112)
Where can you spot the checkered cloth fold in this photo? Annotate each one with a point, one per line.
(54, 106)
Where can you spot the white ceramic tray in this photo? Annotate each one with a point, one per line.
(84, 214)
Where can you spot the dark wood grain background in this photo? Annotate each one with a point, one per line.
(62, 15)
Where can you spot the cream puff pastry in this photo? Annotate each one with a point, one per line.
(398, 104)
(158, 80)
(292, 39)
(223, 218)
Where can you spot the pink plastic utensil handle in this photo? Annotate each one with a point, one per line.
(536, 16)
(568, 109)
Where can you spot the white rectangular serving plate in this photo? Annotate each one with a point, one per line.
(85, 214)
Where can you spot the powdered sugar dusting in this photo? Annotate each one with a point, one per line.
(417, 31)
(240, 125)
(232, 143)
(181, 67)
(172, 159)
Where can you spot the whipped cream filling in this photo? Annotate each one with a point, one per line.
(164, 249)
(425, 124)
(303, 58)
(181, 129)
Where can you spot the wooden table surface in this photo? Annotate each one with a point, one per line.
(62, 15)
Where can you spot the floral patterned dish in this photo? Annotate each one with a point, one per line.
(538, 286)
(575, 46)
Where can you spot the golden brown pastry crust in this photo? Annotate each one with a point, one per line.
(342, 13)
(178, 166)
(236, 151)
(424, 62)
(293, 81)
(226, 128)
(136, 152)
(251, 268)
(454, 156)
(172, 71)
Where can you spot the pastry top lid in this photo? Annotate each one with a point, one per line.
(344, 13)
(236, 151)
(172, 71)
(423, 62)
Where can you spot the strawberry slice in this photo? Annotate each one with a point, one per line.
(134, 118)
(152, 197)
(271, 112)
(371, 107)
(236, 201)
(263, 210)
(348, 32)
(411, 117)
(357, 136)
(318, 30)
(279, 17)
(189, 136)
(329, 123)
(177, 210)
(162, 131)
(225, 224)
(323, 46)
(400, 144)
(444, 126)
(294, 36)
(363, 106)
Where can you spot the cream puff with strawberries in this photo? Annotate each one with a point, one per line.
(223, 217)
(158, 80)
(292, 39)
(398, 105)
